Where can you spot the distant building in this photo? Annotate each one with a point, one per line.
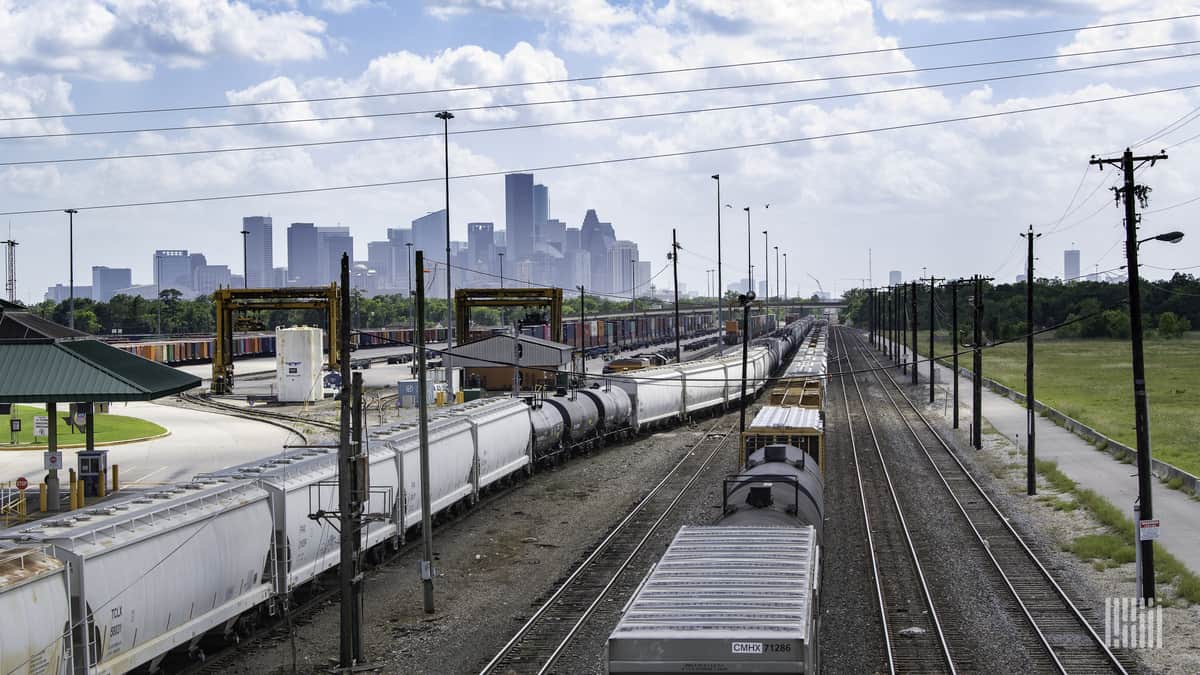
(211, 277)
(895, 278)
(541, 209)
(429, 235)
(62, 293)
(144, 291)
(643, 276)
(518, 215)
(483, 361)
(302, 266)
(570, 238)
(762, 289)
(279, 277)
(332, 243)
(1071, 265)
(552, 233)
(173, 269)
(622, 266)
(1020, 279)
(598, 238)
(260, 260)
(106, 281)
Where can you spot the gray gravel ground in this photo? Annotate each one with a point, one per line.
(493, 567)
(975, 610)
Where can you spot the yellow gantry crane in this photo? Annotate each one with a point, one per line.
(467, 298)
(230, 300)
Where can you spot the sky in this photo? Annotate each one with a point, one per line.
(949, 198)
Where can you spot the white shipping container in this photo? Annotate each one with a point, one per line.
(298, 363)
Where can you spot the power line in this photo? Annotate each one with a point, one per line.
(613, 76)
(539, 125)
(613, 97)
(615, 160)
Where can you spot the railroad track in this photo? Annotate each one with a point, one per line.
(278, 419)
(538, 644)
(1064, 640)
(914, 640)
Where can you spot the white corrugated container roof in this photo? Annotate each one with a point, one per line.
(727, 582)
(778, 417)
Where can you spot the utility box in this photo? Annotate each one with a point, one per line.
(298, 363)
(93, 467)
(408, 390)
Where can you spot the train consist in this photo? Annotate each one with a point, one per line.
(596, 335)
(743, 595)
(117, 587)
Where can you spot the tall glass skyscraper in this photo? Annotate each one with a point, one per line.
(518, 215)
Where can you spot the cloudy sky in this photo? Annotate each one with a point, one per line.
(950, 197)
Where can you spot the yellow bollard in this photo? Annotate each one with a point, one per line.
(458, 396)
(101, 485)
(71, 493)
(116, 472)
(42, 498)
(22, 511)
(440, 399)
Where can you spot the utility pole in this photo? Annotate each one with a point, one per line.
(720, 287)
(675, 265)
(785, 278)
(10, 268)
(932, 288)
(767, 272)
(905, 322)
(954, 333)
(1131, 192)
(746, 300)
(423, 430)
(913, 302)
(894, 326)
(749, 256)
(977, 363)
(871, 315)
(445, 116)
(349, 491)
(1030, 418)
(582, 358)
(71, 261)
(776, 272)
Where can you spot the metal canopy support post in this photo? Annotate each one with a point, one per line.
(977, 369)
(745, 300)
(423, 430)
(445, 116)
(954, 340)
(932, 295)
(913, 303)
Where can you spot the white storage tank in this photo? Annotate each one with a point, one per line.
(298, 363)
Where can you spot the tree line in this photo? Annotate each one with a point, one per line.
(1085, 309)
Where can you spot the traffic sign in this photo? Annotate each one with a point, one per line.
(41, 426)
(14, 425)
(22, 483)
(52, 460)
(1148, 530)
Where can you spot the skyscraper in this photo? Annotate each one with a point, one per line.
(1071, 265)
(518, 215)
(541, 210)
(622, 267)
(429, 235)
(173, 269)
(260, 256)
(332, 242)
(302, 255)
(107, 280)
(481, 247)
(597, 239)
(895, 278)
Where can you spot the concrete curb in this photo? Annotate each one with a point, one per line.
(1161, 470)
(75, 446)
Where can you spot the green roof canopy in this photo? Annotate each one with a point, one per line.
(44, 370)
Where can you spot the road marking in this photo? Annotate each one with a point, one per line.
(161, 468)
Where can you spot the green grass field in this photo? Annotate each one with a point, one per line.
(1092, 381)
(108, 428)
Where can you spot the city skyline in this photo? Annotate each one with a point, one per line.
(826, 194)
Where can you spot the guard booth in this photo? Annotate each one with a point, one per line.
(93, 470)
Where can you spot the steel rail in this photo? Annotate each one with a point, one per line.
(885, 616)
(602, 548)
(987, 545)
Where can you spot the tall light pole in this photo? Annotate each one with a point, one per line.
(767, 272)
(720, 292)
(158, 284)
(749, 257)
(71, 261)
(503, 314)
(245, 259)
(445, 116)
(785, 279)
(776, 271)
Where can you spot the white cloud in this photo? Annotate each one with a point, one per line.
(589, 13)
(125, 39)
(343, 6)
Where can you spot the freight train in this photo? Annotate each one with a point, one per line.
(598, 334)
(742, 595)
(118, 586)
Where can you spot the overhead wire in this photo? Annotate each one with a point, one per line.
(610, 76)
(609, 161)
(626, 96)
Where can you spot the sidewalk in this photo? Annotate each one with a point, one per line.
(1090, 468)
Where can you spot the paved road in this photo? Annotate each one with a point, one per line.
(1091, 468)
(199, 442)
